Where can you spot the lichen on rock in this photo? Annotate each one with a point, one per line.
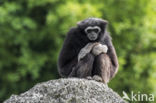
(70, 90)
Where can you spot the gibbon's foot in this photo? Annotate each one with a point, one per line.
(97, 78)
(89, 78)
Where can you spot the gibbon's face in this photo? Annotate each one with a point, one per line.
(93, 28)
(92, 32)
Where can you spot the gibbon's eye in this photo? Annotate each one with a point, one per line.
(89, 30)
(96, 30)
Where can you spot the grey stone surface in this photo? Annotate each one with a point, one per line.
(71, 90)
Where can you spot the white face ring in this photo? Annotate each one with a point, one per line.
(94, 27)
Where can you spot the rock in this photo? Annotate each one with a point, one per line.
(71, 90)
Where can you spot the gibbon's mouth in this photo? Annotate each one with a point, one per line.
(92, 36)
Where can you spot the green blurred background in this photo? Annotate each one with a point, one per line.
(32, 33)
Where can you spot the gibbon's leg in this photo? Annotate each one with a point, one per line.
(84, 67)
(102, 66)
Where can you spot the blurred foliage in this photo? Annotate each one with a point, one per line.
(32, 33)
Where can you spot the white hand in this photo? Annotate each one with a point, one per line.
(98, 49)
(85, 50)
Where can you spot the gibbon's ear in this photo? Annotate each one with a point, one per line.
(80, 24)
(104, 23)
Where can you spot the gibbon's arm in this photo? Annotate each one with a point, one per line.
(68, 57)
(114, 60)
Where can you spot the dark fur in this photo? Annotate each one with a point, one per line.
(104, 65)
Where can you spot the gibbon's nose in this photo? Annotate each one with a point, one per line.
(93, 36)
